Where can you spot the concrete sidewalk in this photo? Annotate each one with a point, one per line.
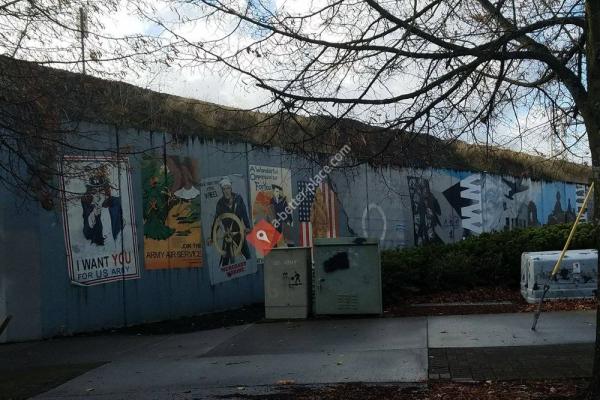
(307, 352)
(253, 358)
(498, 330)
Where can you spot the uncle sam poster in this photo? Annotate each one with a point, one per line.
(98, 220)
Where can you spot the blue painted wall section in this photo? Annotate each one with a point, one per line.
(399, 207)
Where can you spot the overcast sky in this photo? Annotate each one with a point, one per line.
(230, 89)
(210, 84)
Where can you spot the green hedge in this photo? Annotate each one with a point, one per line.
(490, 259)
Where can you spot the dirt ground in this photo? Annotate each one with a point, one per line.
(545, 390)
(507, 301)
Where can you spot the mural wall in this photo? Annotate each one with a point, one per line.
(400, 207)
(146, 238)
(417, 207)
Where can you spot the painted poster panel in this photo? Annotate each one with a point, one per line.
(317, 213)
(511, 203)
(98, 220)
(375, 204)
(557, 206)
(462, 191)
(581, 191)
(471, 204)
(426, 211)
(270, 191)
(225, 223)
(171, 201)
(384, 212)
(436, 203)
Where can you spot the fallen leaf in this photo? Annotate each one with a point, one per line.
(286, 382)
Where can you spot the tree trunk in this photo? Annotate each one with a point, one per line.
(594, 388)
(591, 114)
(593, 391)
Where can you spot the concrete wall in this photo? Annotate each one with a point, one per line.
(400, 207)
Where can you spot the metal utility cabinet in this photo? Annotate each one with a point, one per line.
(576, 276)
(288, 283)
(347, 276)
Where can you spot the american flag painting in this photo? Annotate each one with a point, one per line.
(317, 214)
(304, 215)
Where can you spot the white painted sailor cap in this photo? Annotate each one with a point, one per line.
(225, 182)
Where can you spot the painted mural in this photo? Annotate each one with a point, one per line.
(317, 214)
(381, 210)
(580, 192)
(400, 208)
(171, 203)
(386, 214)
(511, 203)
(469, 204)
(426, 210)
(98, 220)
(270, 191)
(559, 203)
(225, 223)
(438, 201)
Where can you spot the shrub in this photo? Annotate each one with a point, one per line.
(487, 260)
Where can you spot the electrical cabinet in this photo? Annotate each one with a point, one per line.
(347, 276)
(288, 283)
(576, 276)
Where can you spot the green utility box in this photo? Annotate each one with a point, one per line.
(347, 276)
(288, 283)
